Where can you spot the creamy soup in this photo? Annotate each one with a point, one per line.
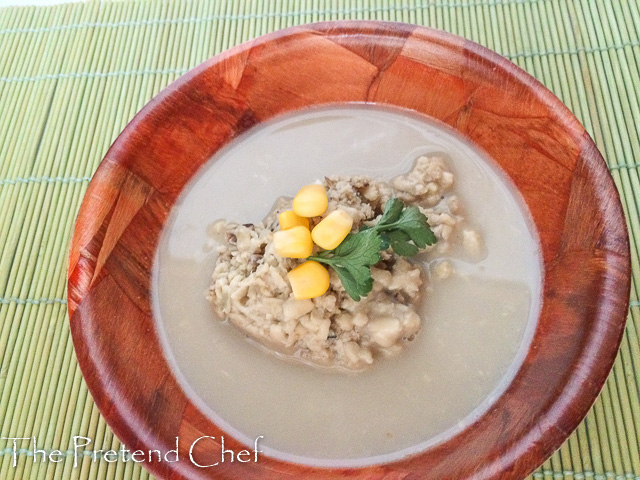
(476, 324)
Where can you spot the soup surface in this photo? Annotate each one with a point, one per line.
(477, 324)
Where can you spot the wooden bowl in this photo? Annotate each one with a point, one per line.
(492, 102)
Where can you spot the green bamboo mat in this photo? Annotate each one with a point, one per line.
(72, 76)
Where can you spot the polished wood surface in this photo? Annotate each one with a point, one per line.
(528, 131)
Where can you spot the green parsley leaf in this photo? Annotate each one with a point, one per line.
(403, 229)
(352, 261)
(399, 242)
(392, 212)
(410, 220)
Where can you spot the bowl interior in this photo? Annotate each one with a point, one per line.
(476, 325)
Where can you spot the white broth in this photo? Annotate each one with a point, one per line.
(477, 324)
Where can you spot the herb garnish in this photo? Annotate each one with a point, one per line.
(403, 229)
(352, 260)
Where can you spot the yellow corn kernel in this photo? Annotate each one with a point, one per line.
(332, 229)
(289, 219)
(309, 280)
(311, 201)
(293, 243)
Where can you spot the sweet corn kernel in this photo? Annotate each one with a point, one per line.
(309, 280)
(311, 201)
(332, 229)
(289, 219)
(293, 243)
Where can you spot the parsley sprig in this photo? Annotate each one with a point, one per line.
(403, 229)
(352, 261)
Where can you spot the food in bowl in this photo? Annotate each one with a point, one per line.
(477, 318)
(255, 281)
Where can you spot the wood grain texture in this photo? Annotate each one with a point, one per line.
(528, 131)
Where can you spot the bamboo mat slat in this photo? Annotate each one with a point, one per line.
(72, 76)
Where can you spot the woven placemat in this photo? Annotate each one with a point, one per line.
(72, 76)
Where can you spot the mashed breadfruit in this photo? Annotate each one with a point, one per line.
(250, 288)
